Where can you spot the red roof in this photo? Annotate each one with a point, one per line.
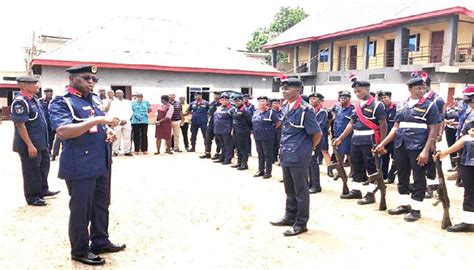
(8, 85)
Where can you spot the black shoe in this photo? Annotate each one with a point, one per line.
(218, 161)
(243, 167)
(453, 169)
(215, 156)
(89, 259)
(110, 248)
(193, 149)
(461, 227)
(115, 154)
(169, 152)
(226, 162)
(429, 193)
(295, 231)
(258, 174)
(402, 209)
(38, 202)
(389, 181)
(129, 154)
(205, 156)
(178, 151)
(460, 184)
(368, 199)
(53, 158)
(281, 180)
(236, 165)
(50, 193)
(283, 222)
(314, 190)
(353, 194)
(267, 175)
(414, 215)
(330, 173)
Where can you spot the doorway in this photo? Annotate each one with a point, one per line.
(341, 65)
(436, 48)
(389, 53)
(353, 57)
(127, 90)
(191, 92)
(246, 90)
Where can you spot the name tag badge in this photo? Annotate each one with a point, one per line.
(368, 110)
(93, 129)
(87, 108)
(419, 110)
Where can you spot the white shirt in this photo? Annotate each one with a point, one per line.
(122, 109)
(412, 102)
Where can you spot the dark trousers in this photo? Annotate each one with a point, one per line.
(467, 177)
(276, 144)
(386, 160)
(140, 137)
(297, 194)
(35, 175)
(184, 131)
(430, 167)
(362, 161)
(451, 139)
(194, 130)
(227, 146)
(242, 145)
(407, 163)
(210, 136)
(51, 137)
(314, 175)
(89, 205)
(56, 147)
(265, 155)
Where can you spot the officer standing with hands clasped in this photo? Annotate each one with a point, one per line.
(315, 99)
(300, 136)
(210, 136)
(414, 132)
(198, 108)
(242, 126)
(84, 164)
(223, 129)
(31, 141)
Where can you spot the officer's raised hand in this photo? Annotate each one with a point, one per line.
(422, 158)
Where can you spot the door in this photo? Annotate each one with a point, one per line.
(127, 90)
(436, 48)
(389, 52)
(341, 64)
(353, 57)
(450, 96)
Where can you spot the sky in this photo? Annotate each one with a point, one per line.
(232, 21)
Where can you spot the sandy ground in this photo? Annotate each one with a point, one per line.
(177, 212)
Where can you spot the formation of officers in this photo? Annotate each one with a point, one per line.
(294, 131)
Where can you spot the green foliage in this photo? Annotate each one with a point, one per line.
(259, 38)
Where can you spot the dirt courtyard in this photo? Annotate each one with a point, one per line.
(178, 212)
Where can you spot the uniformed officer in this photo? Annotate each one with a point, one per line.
(210, 128)
(84, 164)
(199, 108)
(369, 125)
(223, 129)
(390, 111)
(242, 127)
(465, 142)
(251, 108)
(315, 100)
(414, 132)
(276, 107)
(264, 122)
(451, 120)
(300, 136)
(30, 141)
(48, 96)
(343, 112)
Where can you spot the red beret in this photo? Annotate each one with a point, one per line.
(469, 91)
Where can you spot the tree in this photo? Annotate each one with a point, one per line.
(259, 38)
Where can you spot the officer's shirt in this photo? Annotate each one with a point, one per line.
(199, 112)
(250, 107)
(298, 127)
(414, 117)
(45, 105)
(279, 114)
(451, 114)
(84, 156)
(391, 112)
(27, 109)
(322, 118)
(462, 116)
(212, 109)
(433, 97)
(467, 158)
(372, 110)
(263, 124)
(223, 119)
(342, 119)
(242, 120)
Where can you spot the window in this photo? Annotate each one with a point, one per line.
(324, 55)
(414, 43)
(372, 48)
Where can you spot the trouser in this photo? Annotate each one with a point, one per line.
(362, 161)
(451, 139)
(386, 160)
(243, 147)
(35, 175)
(407, 163)
(467, 176)
(88, 205)
(430, 168)
(194, 130)
(56, 147)
(123, 132)
(265, 155)
(276, 144)
(184, 131)
(175, 133)
(297, 194)
(51, 137)
(140, 137)
(227, 146)
(314, 173)
(210, 136)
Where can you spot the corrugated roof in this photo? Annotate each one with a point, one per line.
(157, 44)
(339, 19)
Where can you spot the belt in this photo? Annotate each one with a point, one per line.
(413, 125)
(363, 132)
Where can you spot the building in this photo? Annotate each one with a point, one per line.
(156, 57)
(384, 51)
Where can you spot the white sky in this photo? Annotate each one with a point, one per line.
(232, 21)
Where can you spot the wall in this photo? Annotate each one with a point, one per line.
(465, 32)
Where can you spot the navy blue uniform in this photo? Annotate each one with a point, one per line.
(242, 126)
(51, 135)
(85, 167)
(263, 124)
(317, 157)
(251, 108)
(467, 169)
(210, 128)
(342, 119)
(410, 140)
(223, 130)
(199, 120)
(430, 167)
(298, 127)
(27, 109)
(276, 143)
(450, 129)
(391, 112)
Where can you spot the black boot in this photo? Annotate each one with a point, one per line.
(330, 173)
(461, 227)
(205, 156)
(267, 175)
(239, 163)
(314, 190)
(413, 216)
(368, 199)
(353, 194)
(258, 174)
(244, 165)
(429, 191)
(402, 209)
(193, 149)
(215, 156)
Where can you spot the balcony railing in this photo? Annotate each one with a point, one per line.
(348, 63)
(422, 55)
(464, 53)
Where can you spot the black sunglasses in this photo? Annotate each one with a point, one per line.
(90, 77)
